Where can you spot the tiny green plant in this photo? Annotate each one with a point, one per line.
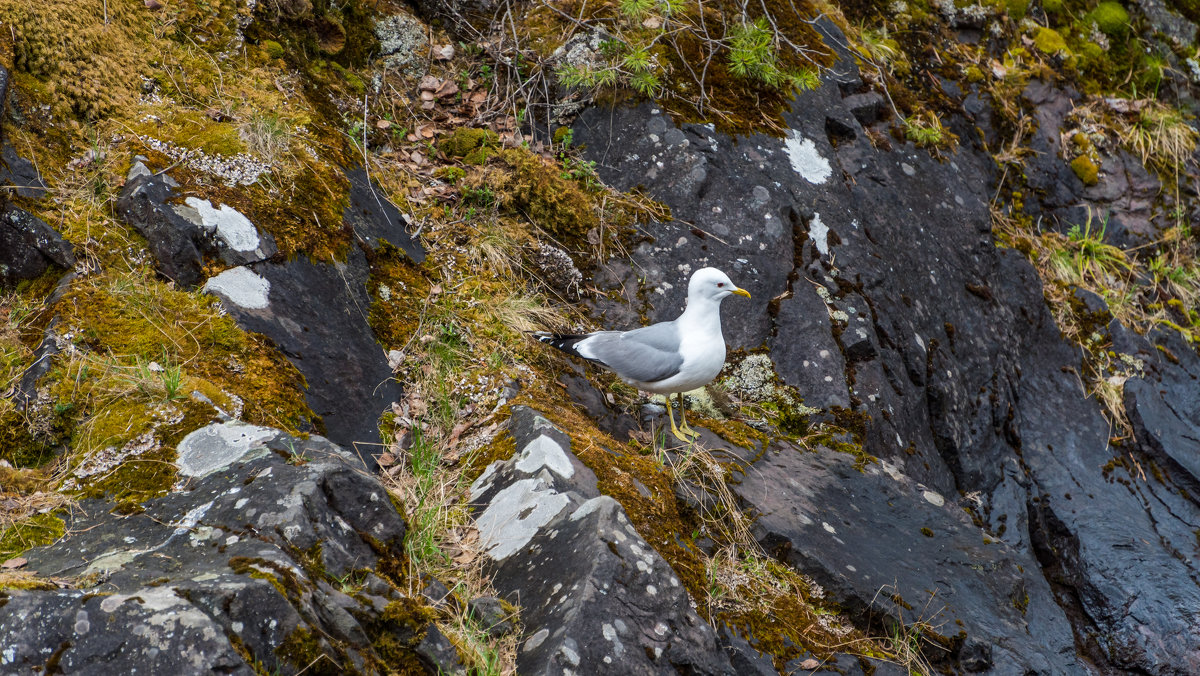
(926, 130)
(295, 457)
(1087, 257)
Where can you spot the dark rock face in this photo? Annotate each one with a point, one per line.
(890, 297)
(1120, 203)
(16, 171)
(144, 203)
(996, 610)
(181, 232)
(28, 246)
(376, 220)
(606, 602)
(316, 314)
(238, 565)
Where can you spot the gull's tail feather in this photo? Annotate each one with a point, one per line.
(563, 341)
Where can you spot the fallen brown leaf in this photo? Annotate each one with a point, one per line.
(13, 564)
(458, 431)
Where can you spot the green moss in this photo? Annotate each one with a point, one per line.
(90, 57)
(1111, 18)
(534, 187)
(1086, 170)
(21, 481)
(927, 532)
(148, 475)
(304, 214)
(472, 145)
(1016, 8)
(302, 649)
(19, 445)
(1152, 68)
(450, 174)
(398, 289)
(1049, 41)
(735, 432)
(1052, 6)
(273, 49)
(397, 632)
(197, 131)
(36, 531)
(1021, 602)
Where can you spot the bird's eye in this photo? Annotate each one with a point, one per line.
(720, 284)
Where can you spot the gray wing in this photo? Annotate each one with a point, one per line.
(647, 354)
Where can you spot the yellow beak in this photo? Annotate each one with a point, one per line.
(741, 292)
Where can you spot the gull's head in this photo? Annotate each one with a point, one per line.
(712, 284)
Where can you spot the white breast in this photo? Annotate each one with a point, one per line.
(703, 351)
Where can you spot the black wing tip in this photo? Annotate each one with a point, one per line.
(561, 341)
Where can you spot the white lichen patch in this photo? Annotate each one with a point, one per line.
(805, 158)
(818, 232)
(242, 287)
(219, 445)
(545, 452)
(105, 460)
(594, 505)
(237, 169)
(515, 515)
(229, 224)
(933, 498)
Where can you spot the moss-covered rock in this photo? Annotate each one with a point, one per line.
(1111, 18)
(1049, 41)
(37, 530)
(472, 145)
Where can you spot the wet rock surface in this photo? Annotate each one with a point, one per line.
(594, 596)
(28, 246)
(242, 565)
(317, 314)
(994, 613)
(877, 287)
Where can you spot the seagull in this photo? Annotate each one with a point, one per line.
(668, 357)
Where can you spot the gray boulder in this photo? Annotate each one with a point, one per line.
(594, 596)
(266, 556)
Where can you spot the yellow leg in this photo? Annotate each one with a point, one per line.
(675, 430)
(683, 418)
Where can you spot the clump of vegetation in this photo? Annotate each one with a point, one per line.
(926, 131)
(85, 57)
(1049, 41)
(1111, 18)
(677, 50)
(1086, 170)
(1160, 136)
